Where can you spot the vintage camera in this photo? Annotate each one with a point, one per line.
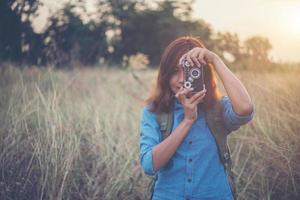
(193, 77)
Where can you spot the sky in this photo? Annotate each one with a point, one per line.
(278, 20)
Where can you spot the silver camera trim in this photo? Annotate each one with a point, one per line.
(195, 69)
(186, 64)
(187, 84)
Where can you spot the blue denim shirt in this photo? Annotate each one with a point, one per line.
(195, 171)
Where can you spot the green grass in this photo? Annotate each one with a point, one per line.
(75, 134)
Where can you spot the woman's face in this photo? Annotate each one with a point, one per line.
(176, 80)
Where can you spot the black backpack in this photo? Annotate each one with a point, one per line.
(214, 119)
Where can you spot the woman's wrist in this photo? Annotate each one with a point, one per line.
(215, 59)
(188, 122)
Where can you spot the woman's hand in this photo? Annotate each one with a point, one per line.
(190, 104)
(199, 56)
(241, 101)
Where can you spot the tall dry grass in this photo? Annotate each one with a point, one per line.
(75, 134)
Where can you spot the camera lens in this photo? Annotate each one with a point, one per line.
(195, 73)
(187, 84)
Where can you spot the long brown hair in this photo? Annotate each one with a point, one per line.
(161, 98)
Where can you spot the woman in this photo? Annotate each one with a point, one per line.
(196, 171)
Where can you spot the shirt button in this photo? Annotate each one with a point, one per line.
(190, 160)
(190, 142)
(189, 180)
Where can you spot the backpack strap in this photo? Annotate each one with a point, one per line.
(216, 124)
(151, 186)
(165, 121)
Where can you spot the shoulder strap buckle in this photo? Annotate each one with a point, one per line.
(226, 156)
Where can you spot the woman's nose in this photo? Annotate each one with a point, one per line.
(181, 78)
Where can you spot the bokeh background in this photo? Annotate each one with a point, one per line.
(74, 76)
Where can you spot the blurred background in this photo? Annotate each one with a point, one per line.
(75, 74)
(41, 32)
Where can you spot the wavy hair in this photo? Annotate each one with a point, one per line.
(161, 97)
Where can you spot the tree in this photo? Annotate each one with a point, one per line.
(258, 48)
(228, 43)
(18, 42)
(149, 30)
(68, 39)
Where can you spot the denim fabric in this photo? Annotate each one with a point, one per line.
(195, 171)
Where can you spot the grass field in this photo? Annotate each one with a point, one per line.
(75, 134)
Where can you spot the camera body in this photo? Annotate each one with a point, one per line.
(193, 77)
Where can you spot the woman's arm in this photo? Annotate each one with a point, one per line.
(153, 154)
(240, 99)
(164, 151)
(236, 91)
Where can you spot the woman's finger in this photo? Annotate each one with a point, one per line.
(185, 92)
(180, 91)
(199, 99)
(181, 98)
(197, 95)
(188, 89)
(201, 57)
(195, 60)
(181, 59)
(182, 95)
(203, 62)
(188, 57)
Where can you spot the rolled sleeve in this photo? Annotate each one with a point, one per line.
(232, 120)
(149, 137)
